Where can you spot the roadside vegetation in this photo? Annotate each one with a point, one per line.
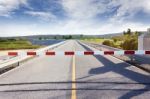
(127, 41)
(96, 40)
(10, 44)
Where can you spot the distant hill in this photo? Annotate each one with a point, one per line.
(40, 37)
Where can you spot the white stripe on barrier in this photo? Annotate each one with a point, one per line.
(59, 53)
(119, 52)
(79, 53)
(140, 52)
(98, 53)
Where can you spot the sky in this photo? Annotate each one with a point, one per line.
(89, 17)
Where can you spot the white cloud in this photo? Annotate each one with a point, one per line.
(71, 27)
(87, 10)
(8, 6)
(42, 15)
(128, 8)
(81, 19)
(83, 9)
(83, 12)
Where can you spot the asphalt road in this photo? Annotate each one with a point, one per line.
(94, 77)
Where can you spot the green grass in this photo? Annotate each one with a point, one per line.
(16, 44)
(97, 40)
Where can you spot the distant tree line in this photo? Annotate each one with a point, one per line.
(62, 37)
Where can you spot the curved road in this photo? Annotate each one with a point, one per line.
(75, 77)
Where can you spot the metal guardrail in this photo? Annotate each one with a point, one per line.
(15, 61)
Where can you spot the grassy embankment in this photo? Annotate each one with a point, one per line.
(101, 40)
(95, 40)
(11, 44)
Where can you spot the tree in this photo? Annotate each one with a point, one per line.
(40, 38)
(137, 33)
(124, 33)
(63, 37)
(70, 37)
(81, 36)
(129, 31)
(55, 37)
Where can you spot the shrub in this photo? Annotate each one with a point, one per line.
(115, 40)
(109, 43)
(130, 44)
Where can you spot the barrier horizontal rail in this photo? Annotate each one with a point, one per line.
(52, 53)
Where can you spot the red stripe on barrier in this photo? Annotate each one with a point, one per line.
(147, 52)
(89, 53)
(108, 52)
(12, 53)
(31, 53)
(50, 53)
(129, 52)
(69, 53)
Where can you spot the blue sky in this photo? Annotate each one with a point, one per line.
(34, 17)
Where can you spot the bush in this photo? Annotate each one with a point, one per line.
(130, 44)
(109, 43)
(115, 40)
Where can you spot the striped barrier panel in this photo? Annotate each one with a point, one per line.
(68, 53)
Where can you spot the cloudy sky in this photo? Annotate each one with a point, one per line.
(31, 17)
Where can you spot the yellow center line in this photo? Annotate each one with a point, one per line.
(73, 93)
